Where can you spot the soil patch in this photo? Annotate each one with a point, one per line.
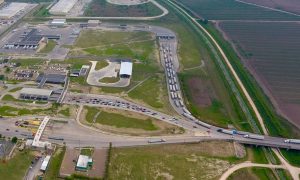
(200, 91)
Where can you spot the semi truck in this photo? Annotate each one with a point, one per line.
(294, 141)
(254, 136)
(156, 140)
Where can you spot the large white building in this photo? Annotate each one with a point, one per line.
(11, 10)
(126, 69)
(62, 7)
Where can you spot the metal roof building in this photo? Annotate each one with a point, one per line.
(126, 69)
(51, 78)
(35, 94)
(83, 163)
(62, 7)
(45, 163)
(12, 9)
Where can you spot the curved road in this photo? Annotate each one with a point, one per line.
(246, 165)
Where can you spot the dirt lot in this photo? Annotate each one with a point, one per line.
(286, 5)
(99, 159)
(200, 91)
(180, 161)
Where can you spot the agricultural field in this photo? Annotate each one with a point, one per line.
(233, 10)
(286, 5)
(102, 8)
(270, 51)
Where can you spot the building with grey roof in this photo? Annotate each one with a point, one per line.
(11, 10)
(35, 94)
(51, 78)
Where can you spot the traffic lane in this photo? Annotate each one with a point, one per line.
(131, 141)
(111, 103)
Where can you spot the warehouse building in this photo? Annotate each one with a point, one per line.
(62, 7)
(126, 69)
(29, 40)
(51, 78)
(35, 94)
(83, 163)
(12, 9)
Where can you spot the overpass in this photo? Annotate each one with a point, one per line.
(36, 140)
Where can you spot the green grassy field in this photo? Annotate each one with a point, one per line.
(253, 174)
(118, 120)
(65, 112)
(15, 89)
(15, 168)
(109, 79)
(13, 111)
(9, 97)
(149, 91)
(49, 47)
(87, 151)
(101, 64)
(181, 161)
(91, 38)
(52, 171)
(28, 62)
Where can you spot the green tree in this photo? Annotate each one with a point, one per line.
(14, 140)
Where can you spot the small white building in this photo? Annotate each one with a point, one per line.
(93, 23)
(45, 163)
(58, 22)
(83, 163)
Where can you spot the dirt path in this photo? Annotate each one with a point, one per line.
(248, 164)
